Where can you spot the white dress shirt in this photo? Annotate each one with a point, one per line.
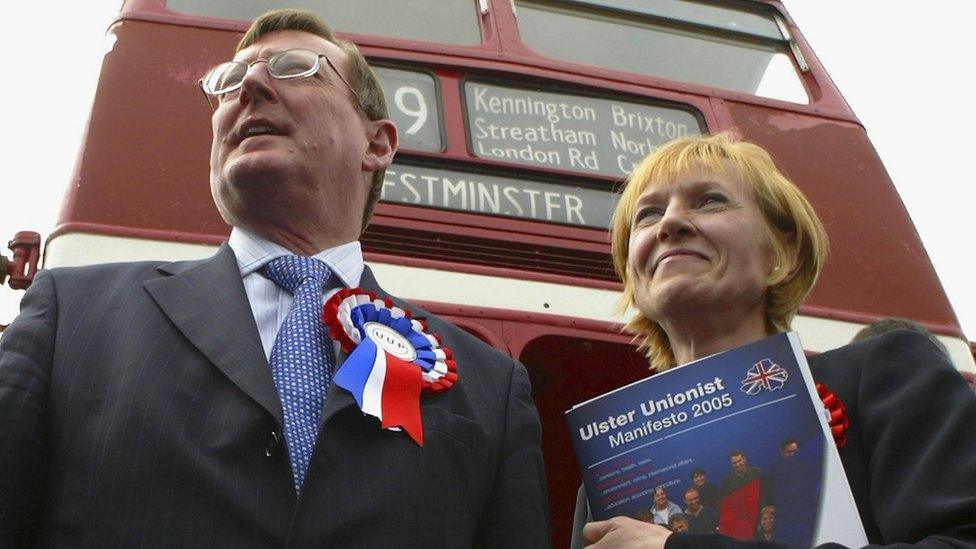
(269, 303)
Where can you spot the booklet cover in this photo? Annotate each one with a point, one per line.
(740, 439)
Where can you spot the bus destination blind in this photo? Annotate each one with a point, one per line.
(498, 195)
(555, 130)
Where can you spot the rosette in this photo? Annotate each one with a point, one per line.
(838, 414)
(390, 360)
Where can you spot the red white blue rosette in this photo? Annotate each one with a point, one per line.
(391, 358)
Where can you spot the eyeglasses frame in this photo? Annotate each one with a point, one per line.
(306, 74)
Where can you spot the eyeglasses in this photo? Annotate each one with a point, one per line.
(298, 63)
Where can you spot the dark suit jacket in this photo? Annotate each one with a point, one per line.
(910, 455)
(138, 409)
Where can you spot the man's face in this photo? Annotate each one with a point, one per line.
(698, 479)
(692, 500)
(290, 151)
(789, 450)
(739, 464)
(679, 526)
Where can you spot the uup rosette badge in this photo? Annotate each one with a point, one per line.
(391, 359)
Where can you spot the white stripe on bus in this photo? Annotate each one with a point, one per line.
(466, 289)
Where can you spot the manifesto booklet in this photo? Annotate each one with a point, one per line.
(737, 443)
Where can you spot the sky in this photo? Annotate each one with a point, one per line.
(900, 67)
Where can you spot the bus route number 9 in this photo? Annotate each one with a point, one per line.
(412, 97)
(418, 112)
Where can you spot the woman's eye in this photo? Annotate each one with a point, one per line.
(649, 214)
(712, 199)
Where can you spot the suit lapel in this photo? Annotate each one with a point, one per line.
(368, 283)
(207, 303)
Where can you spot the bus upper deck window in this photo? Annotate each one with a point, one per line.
(743, 50)
(441, 21)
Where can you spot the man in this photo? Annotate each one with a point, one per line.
(706, 490)
(663, 508)
(702, 519)
(783, 475)
(788, 448)
(744, 493)
(742, 473)
(794, 484)
(194, 403)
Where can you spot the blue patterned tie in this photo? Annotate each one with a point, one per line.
(302, 357)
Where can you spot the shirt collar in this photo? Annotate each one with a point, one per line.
(254, 251)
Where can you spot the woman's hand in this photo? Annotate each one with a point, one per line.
(625, 532)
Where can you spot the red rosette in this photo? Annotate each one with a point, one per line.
(838, 414)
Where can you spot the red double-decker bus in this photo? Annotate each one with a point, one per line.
(518, 120)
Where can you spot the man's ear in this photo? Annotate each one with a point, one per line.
(381, 146)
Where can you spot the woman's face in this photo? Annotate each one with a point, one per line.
(660, 499)
(699, 243)
(767, 522)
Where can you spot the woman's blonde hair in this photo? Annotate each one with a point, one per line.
(797, 237)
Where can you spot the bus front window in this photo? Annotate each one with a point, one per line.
(709, 45)
(441, 21)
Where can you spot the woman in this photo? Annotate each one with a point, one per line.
(716, 249)
(767, 521)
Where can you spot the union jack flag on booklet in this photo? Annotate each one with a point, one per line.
(764, 375)
(725, 439)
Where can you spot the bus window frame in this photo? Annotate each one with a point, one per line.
(732, 4)
(785, 43)
(824, 97)
(155, 11)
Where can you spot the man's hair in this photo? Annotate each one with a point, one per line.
(787, 442)
(883, 325)
(362, 79)
(736, 452)
(697, 471)
(692, 489)
(796, 235)
(676, 518)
